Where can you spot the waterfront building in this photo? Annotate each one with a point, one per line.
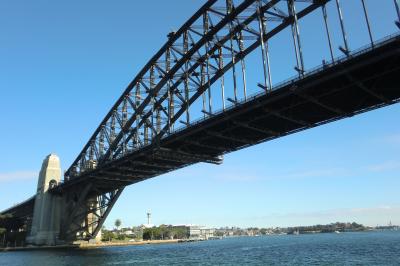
(207, 233)
(197, 232)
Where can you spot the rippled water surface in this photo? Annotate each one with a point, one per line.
(373, 248)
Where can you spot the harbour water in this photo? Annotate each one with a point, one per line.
(364, 248)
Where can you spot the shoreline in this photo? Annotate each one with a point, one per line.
(127, 243)
(28, 248)
(85, 245)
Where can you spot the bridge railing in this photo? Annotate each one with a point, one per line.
(338, 60)
(204, 69)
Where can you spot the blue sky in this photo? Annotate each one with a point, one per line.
(63, 65)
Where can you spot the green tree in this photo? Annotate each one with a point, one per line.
(121, 237)
(165, 232)
(107, 236)
(148, 234)
(3, 218)
(3, 231)
(118, 223)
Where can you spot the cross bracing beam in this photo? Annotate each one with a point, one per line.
(153, 165)
(216, 148)
(230, 138)
(369, 91)
(286, 117)
(318, 102)
(114, 179)
(139, 170)
(186, 157)
(97, 208)
(247, 125)
(121, 175)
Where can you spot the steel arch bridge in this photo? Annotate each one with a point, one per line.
(195, 100)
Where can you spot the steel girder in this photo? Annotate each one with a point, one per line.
(85, 211)
(211, 43)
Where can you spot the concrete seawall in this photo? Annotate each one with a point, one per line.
(86, 245)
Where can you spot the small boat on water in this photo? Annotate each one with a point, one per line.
(337, 232)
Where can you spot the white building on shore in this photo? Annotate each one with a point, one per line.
(197, 232)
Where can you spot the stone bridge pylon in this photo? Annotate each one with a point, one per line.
(47, 209)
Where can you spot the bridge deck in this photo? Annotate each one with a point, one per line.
(21, 215)
(367, 80)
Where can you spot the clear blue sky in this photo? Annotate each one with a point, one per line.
(64, 63)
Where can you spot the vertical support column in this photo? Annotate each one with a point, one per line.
(397, 6)
(367, 21)
(145, 125)
(112, 133)
(264, 48)
(152, 103)
(220, 67)
(242, 63)
(202, 78)
(101, 142)
(158, 121)
(344, 49)
(229, 9)
(124, 120)
(205, 31)
(137, 104)
(91, 151)
(82, 163)
(202, 83)
(106, 204)
(124, 112)
(296, 38)
(171, 94)
(92, 162)
(185, 50)
(325, 16)
(112, 128)
(146, 134)
(92, 219)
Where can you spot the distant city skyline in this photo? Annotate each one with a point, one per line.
(149, 224)
(63, 66)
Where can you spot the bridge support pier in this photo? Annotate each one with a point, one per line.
(47, 209)
(51, 212)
